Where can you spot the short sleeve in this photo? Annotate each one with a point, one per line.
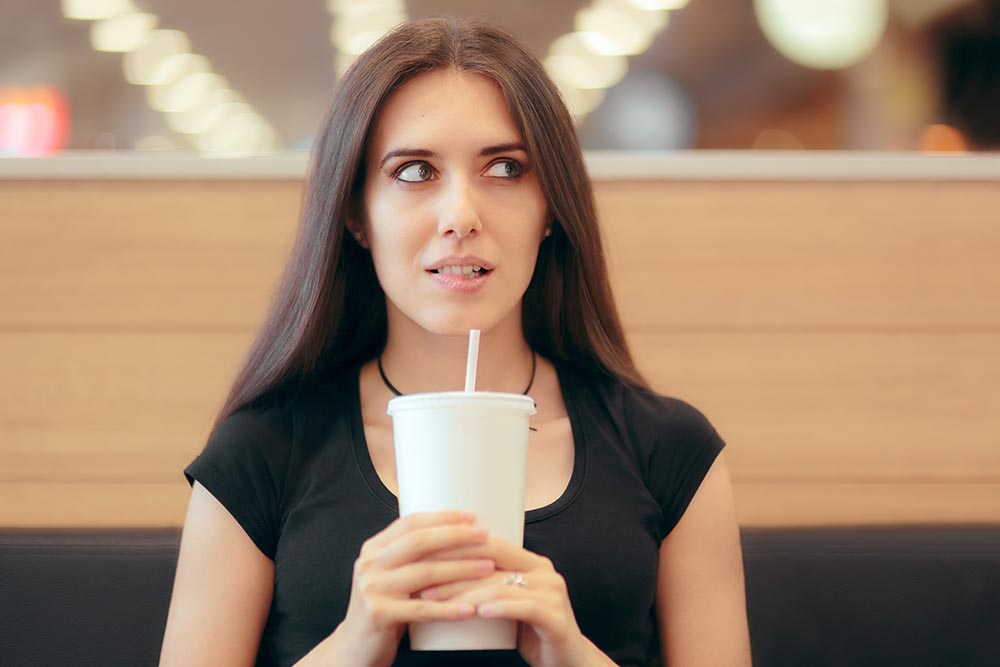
(243, 465)
(679, 445)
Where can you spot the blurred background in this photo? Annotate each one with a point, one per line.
(831, 304)
(253, 77)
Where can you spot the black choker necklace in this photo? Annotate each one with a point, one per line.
(381, 371)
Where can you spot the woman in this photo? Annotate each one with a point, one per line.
(448, 192)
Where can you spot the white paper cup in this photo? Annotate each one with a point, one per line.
(463, 451)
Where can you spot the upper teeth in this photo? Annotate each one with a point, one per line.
(459, 270)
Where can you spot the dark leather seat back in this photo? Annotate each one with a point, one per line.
(84, 598)
(919, 596)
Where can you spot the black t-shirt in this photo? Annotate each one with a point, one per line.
(297, 475)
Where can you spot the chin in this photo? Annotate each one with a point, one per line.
(454, 318)
(458, 322)
(456, 327)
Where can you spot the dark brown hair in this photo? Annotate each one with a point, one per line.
(329, 311)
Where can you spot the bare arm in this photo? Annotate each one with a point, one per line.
(222, 591)
(701, 595)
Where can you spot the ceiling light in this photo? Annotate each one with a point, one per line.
(581, 102)
(823, 34)
(341, 7)
(152, 62)
(161, 97)
(241, 134)
(92, 10)
(122, 32)
(572, 61)
(662, 5)
(190, 90)
(612, 32)
(209, 110)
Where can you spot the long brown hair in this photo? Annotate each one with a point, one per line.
(329, 311)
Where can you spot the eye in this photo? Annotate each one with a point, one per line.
(505, 168)
(415, 172)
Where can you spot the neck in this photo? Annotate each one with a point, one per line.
(417, 361)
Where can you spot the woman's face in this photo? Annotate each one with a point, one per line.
(453, 212)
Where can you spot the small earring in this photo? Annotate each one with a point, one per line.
(548, 232)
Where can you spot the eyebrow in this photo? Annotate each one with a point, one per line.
(423, 152)
(502, 148)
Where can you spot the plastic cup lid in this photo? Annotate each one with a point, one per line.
(462, 399)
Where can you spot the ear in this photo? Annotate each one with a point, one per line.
(357, 232)
(550, 223)
(355, 223)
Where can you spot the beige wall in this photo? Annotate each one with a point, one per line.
(844, 336)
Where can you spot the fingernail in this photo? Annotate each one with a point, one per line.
(486, 565)
(467, 516)
(485, 610)
(466, 610)
(480, 532)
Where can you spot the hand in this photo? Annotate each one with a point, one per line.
(392, 568)
(548, 635)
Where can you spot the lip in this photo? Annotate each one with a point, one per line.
(458, 284)
(455, 260)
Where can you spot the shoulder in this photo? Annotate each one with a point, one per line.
(671, 441)
(643, 416)
(675, 442)
(262, 420)
(660, 418)
(247, 461)
(273, 419)
(679, 445)
(254, 442)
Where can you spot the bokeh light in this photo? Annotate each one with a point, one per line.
(823, 34)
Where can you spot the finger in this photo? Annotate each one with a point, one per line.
(509, 556)
(459, 553)
(538, 616)
(418, 544)
(447, 591)
(536, 607)
(419, 520)
(417, 576)
(421, 611)
(537, 587)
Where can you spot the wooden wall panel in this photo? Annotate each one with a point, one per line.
(768, 503)
(844, 337)
(94, 503)
(793, 406)
(840, 406)
(165, 255)
(110, 406)
(729, 255)
(846, 503)
(824, 256)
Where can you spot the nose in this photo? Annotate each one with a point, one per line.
(459, 214)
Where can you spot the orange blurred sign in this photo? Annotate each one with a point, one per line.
(33, 121)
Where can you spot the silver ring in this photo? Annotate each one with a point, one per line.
(516, 579)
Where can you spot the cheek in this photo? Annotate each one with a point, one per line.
(526, 208)
(395, 246)
(537, 211)
(388, 221)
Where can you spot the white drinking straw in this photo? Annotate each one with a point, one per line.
(473, 362)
